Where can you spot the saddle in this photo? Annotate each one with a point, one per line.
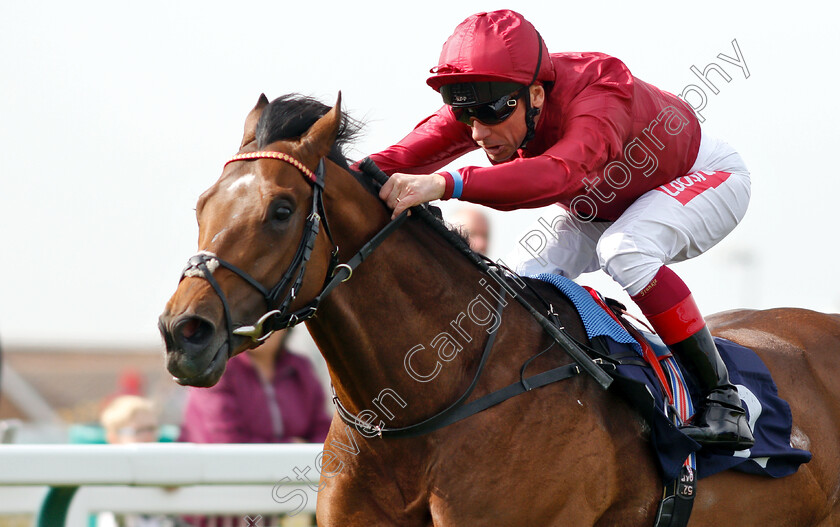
(650, 378)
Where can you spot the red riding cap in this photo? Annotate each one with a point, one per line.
(499, 46)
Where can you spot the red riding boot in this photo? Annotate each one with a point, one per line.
(720, 420)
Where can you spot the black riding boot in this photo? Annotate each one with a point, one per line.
(720, 421)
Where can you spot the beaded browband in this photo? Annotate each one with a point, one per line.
(275, 155)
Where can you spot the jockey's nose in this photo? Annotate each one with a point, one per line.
(480, 131)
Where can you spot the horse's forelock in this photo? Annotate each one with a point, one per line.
(291, 115)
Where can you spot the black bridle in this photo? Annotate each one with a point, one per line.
(277, 315)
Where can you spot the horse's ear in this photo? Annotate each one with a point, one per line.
(319, 139)
(252, 119)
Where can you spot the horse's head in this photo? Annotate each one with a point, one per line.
(263, 249)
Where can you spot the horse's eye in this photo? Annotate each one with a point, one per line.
(282, 213)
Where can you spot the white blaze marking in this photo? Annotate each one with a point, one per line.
(243, 181)
(217, 236)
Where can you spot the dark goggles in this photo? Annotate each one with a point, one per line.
(491, 113)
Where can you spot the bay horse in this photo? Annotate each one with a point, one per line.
(567, 454)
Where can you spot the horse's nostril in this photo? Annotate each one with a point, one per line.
(193, 332)
(189, 328)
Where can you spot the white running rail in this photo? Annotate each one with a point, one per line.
(157, 478)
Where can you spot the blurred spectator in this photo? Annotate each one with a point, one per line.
(132, 419)
(474, 225)
(266, 395)
(130, 382)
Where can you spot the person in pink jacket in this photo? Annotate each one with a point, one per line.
(266, 395)
(639, 183)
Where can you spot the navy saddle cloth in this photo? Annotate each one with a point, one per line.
(769, 415)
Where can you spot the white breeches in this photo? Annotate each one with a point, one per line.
(671, 223)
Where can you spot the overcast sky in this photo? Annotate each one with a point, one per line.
(114, 116)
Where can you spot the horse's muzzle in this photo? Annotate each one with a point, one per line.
(195, 353)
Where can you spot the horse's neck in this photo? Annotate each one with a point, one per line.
(409, 291)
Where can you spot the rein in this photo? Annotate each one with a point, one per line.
(570, 346)
(276, 317)
(460, 409)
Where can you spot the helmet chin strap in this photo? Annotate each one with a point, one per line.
(532, 113)
(530, 121)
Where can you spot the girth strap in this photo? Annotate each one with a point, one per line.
(524, 385)
(677, 500)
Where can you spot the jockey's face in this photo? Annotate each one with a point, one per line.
(500, 141)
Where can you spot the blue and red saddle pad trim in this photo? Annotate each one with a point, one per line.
(769, 415)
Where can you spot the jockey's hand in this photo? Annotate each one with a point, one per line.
(403, 191)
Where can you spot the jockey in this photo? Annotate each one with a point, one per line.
(640, 184)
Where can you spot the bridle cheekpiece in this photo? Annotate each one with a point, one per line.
(277, 316)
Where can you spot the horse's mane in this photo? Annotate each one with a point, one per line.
(290, 116)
